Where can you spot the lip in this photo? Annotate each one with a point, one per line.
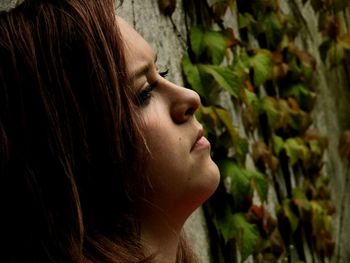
(201, 142)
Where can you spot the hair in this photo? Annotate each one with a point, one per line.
(69, 137)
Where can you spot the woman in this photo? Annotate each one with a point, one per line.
(101, 158)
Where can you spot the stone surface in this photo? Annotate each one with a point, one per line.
(6, 5)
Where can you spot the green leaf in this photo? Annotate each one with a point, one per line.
(209, 42)
(290, 215)
(250, 98)
(262, 66)
(336, 53)
(270, 106)
(242, 148)
(333, 51)
(246, 234)
(303, 95)
(235, 226)
(278, 144)
(225, 77)
(260, 183)
(226, 119)
(243, 182)
(245, 20)
(240, 181)
(209, 118)
(196, 39)
(193, 77)
(299, 120)
(216, 45)
(273, 29)
(316, 147)
(296, 150)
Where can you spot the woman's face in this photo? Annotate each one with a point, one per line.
(179, 168)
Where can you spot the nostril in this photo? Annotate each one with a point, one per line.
(190, 111)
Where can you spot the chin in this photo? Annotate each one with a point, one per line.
(210, 179)
(213, 177)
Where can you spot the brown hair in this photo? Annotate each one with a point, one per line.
(68, 138)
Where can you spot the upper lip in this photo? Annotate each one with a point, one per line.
(199, 135)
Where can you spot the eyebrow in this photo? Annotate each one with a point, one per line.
(144, 69)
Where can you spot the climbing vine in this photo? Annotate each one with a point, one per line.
(258, 90)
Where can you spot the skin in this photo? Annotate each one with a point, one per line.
(180, 171)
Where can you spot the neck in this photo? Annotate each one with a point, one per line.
(160, 234)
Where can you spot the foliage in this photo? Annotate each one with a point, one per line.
(270, 82)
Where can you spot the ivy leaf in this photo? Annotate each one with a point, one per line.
(225, 117)
(240, 183)
(250, 98)
(262, 65)
(305, 98)
(245, 20)
(246, 234)
(240, 144)
(296, 150)
(196, 39)
(211, 43)
(194, 77)
(273, 29)
(278, 144)
(334, 50)
(270, 106)
(225, 77)
(285, 212)
(209, 118)
(259, 182)
(216, 45)
(336, 53)
(236, 226)
(308, 65)
(301, 202)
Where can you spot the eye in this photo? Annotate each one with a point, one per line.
(163, 73)
(145, 95)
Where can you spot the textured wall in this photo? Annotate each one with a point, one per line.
(332, 117)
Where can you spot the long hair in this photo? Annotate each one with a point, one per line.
(68, 135)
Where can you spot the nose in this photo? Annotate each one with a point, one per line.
(184, 104)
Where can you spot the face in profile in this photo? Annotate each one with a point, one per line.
(179, 168)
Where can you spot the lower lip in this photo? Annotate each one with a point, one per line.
(202, 143)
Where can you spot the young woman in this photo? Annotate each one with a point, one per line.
(101, 158)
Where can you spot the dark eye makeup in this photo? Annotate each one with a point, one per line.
(145, 94)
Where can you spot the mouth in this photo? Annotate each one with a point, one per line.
(201, 142)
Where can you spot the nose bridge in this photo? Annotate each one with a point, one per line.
(184, 103)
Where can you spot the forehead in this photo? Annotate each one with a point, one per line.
(138, 52)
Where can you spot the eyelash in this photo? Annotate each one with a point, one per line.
(144, 96)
